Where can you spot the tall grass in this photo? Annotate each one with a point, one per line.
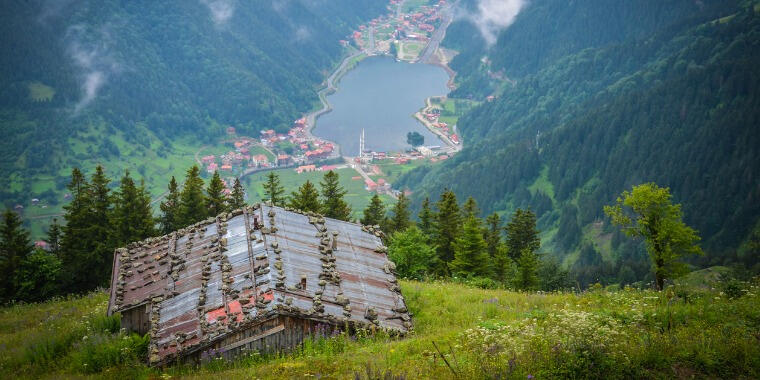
(460, 331)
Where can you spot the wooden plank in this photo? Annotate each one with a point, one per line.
(265, 334)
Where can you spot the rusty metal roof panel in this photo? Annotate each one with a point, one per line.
(215, 277)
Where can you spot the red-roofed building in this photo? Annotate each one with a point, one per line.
(230, 130)
(212, 167)
(327, 168)
(259, 158)
(371, 185)
(283, 159)
(454, 138)
(226, 167)
(207, 159)
(306, 168)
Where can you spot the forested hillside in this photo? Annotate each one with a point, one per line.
(605, 97)
(120, 74)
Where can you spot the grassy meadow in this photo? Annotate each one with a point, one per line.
(460, 331)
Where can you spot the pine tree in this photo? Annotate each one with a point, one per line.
(470, 255)
(75, 242)
(273, 191)
(527, 266)
(306, 198)
(332, 193)
(237, 200)
(192, 202)
(97, 271)
(400, 219)
(522, 233)
(447, 229)
(216, 201)
(493, 234)
(374, 213)
(169, 219)
(470, 208)
(426, 218)
(53, 239)
(14, 248)
(132, 216)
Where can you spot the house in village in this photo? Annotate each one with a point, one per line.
(259, 278)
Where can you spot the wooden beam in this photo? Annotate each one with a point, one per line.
(265, 334)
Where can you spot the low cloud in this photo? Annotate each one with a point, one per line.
(302, 34)
(221, 10)
(89, 51)
(493, 16)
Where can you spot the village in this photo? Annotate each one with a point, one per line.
(401, 34)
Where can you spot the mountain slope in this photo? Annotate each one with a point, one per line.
(151, 72)
(676, 106)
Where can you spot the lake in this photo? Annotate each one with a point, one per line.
(381, 96)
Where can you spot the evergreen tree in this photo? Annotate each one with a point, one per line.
(374, 213)
(54, 238)
(522, 234)
(470, 208)
(503, 266)
(97, 271)
(493, 234)
(527, 266)
(470, 253)
(216, 201)
(647, 211)
(14, 249)
(426, 218)
(237, 200)
(446, 229)
(399, 221)
(132, 216)
(410, 252)
(306, 198)
(332, 193)
(170, 209)
(192, 202)
(273, 191)
(75, 242)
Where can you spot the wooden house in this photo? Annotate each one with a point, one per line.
(259, 278)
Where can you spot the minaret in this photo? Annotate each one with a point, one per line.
(361, 145)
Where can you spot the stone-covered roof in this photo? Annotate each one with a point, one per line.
(225, 273)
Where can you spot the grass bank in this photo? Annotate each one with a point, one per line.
(684, 331)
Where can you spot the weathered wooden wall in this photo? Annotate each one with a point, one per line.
(136, 319)
(281, 333)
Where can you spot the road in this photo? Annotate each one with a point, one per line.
(447, 16)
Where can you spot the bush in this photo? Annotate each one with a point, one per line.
(100, 351)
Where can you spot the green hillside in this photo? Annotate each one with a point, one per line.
(125, 84)
(682, 332)
(650, 96)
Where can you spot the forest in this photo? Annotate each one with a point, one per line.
(93, 70)
(666, 97)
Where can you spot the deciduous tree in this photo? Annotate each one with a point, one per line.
(648, 212)
(410, 252)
